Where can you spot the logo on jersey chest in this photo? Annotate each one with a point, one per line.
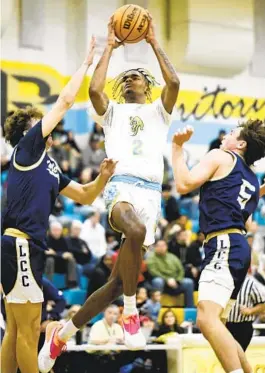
(136, 124)
(53, 170)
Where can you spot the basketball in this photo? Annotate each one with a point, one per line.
(131, 23)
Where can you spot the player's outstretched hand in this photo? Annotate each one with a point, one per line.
(107, 168)
(183, 135)
(91, 52)
(112, 41)
(150, 36)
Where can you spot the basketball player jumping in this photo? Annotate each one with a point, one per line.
(229, 195)
(34, 182)
(135, 135)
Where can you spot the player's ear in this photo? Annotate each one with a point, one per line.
(242, 145)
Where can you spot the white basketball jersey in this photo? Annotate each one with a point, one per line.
(135, 136)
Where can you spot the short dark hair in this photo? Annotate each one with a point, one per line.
(253, 132)
(18, 122)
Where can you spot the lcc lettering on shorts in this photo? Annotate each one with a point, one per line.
(221, 255)
(23, 267)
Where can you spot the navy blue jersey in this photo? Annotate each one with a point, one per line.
(228, 202)
(34, 181)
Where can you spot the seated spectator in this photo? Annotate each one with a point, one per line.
(86, 176)
(169, 324)
(152, 306)
(260, 274)
(178, 245)
(94, 234)
(67, 151)
(168, 273)
(93, 155)
(76, 245)
(112, 240)
(194, 258)
(6, 151)
(59, 259)
(141, 299)
(170, 204)
(258, 239)
(101, 273)
(107, 330)
(98, 130)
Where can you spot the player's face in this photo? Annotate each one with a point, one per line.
(133, 82)
(231, 141)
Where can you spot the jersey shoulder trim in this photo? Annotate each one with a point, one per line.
(27, 168)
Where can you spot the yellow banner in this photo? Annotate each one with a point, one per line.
(203, 360)
(40, 85)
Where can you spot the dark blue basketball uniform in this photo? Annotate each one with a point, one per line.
(225, 206)
(34, 181)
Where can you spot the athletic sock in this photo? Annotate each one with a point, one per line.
(129, 305)
(238, 371)
(67, 331)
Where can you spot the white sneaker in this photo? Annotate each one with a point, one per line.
(133, 336)
(52, 347)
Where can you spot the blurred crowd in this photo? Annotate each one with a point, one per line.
(82, 244)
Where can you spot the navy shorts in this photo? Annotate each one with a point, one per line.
(225, 266)
(22, 267)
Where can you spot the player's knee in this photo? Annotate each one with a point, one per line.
(205, 319)
(136, 232)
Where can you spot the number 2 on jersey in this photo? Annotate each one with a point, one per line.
(244, 196)
(137, 147)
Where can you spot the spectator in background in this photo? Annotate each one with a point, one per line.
(152, 306)
(260, 274)
(71, 153)
(169, 204)
(93, 233)
(6, 150)
(80, 249)
(107, 330)
(169, 324)
(98, 130)
(141, 298)
(194, 258)
(59, 259)
(216, 143)
(101, 273)
(112, 240)
(168, 273)
(258, 239)
(86, 176)
(93, 155)
(178, 245)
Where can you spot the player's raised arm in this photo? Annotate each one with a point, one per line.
(98, 98)
(188, 180)
(171, 89)
(68, 95)
(86, 194)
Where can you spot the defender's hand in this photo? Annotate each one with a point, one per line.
(182, 136)
(150, 36)
(91, 52)
(107, 168)
(112, 41)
